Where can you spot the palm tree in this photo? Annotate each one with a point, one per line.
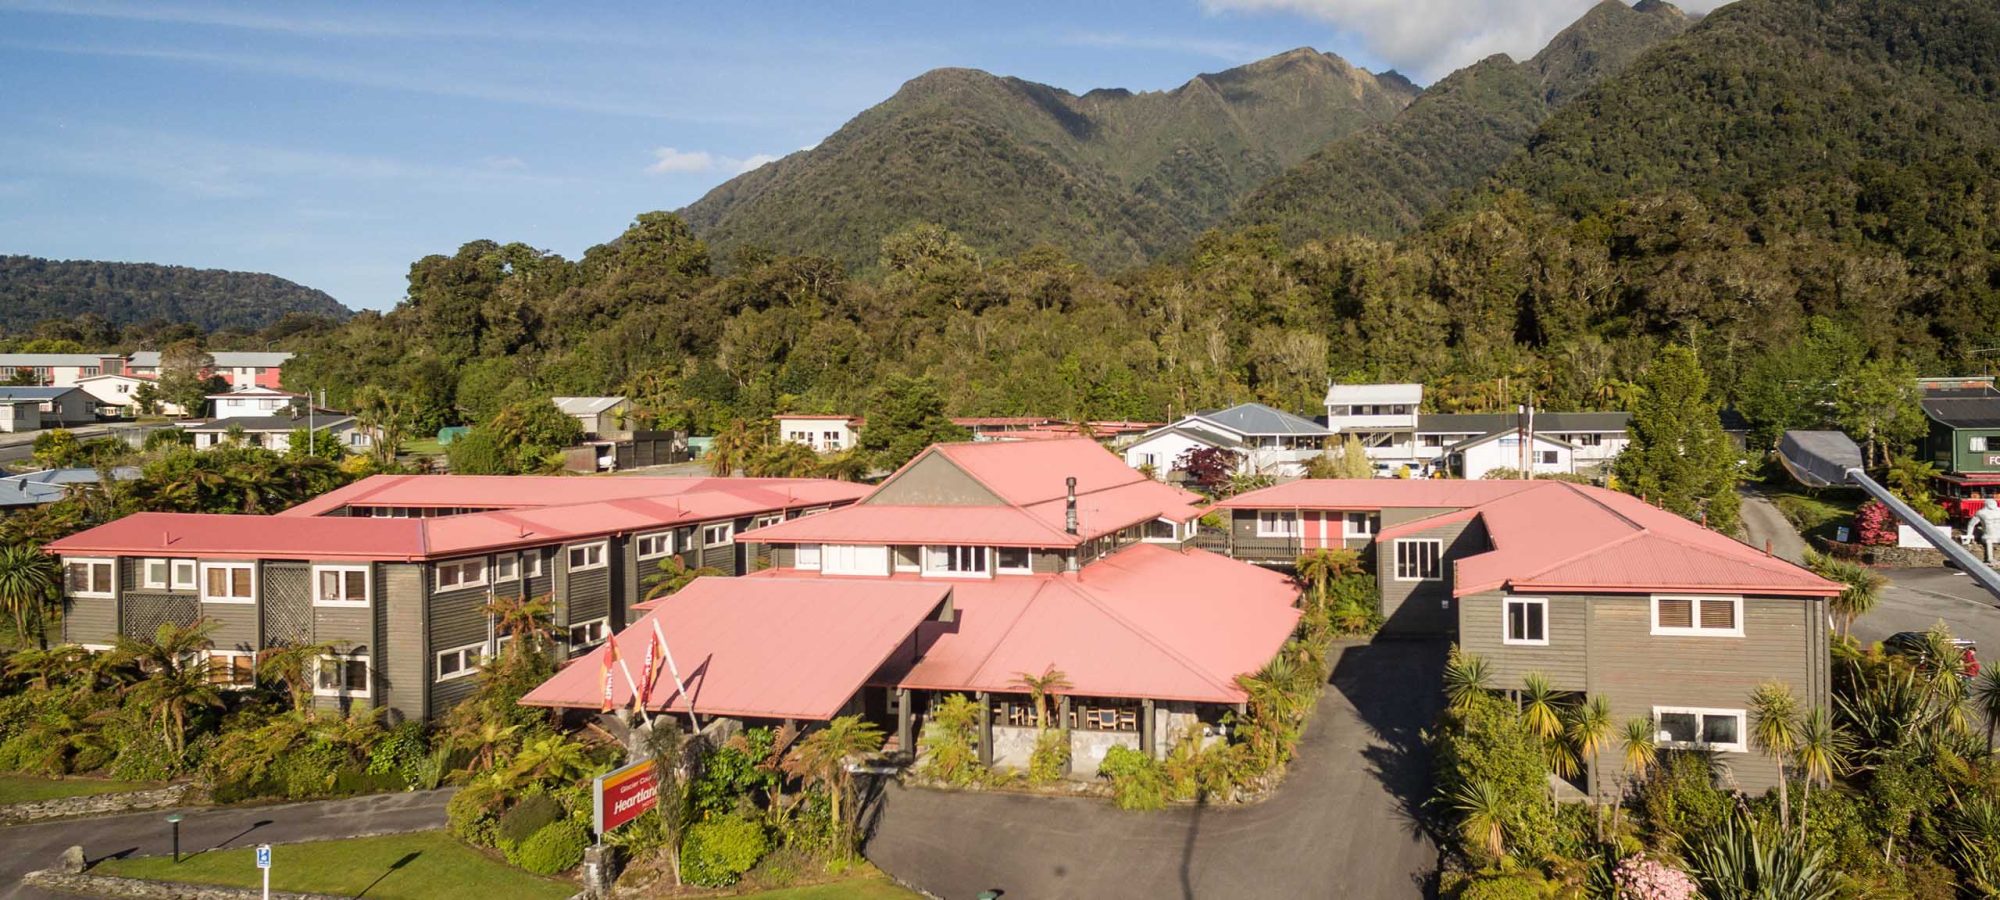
(1774, 730)
(785, 459)
(1465, 679)
(732, 448)
(525, 619)
(1039, 688)
(1317, 569)
(1820, 754)
(27, 582)
(176, 685)
(487, 738)
(1589, 731)
(1484, 818)
(1861, 586)
(823, 758)
(674, 575)
(291, 666)
(1986, 692)
(1538, 706)
(384, 416)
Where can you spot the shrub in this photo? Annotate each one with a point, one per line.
(348, 782)
(1640, 878)
(1137, 781)
(1681, 798)
(729, 778)
(143, 755)
(534, 813)
(1487, 744)
(400, 751)
(1051, 756)
(472, 814)
(1504, 887)
(717, 852)
(555, 849)
(949, 744)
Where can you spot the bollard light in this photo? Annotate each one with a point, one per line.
(174, 819)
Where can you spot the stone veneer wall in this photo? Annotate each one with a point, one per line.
(98, 804)
(90, 885)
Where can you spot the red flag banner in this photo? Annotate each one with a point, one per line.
(610, 660)
(646, 672)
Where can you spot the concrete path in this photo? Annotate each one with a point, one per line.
(1343, 824)
(25, 848)
(1762, 521)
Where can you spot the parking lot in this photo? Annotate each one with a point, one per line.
(1918, 598)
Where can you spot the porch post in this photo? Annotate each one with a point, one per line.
(985, 729)
(1062, 724)
(1146, 741)
(903, 722)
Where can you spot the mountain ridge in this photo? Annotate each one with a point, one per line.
(124, 293)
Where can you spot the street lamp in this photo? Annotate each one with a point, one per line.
(174, 819)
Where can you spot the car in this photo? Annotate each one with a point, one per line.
(1916, 646)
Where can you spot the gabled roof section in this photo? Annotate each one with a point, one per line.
(252, 393)
(1374, 493)
(1970, 409)
(1545, 422)
(38, 394)
(1541, 437)
(1194, 430)
(213, 536)
(585, 406)
(1258, 419)
(1374, 394)
(761, 648)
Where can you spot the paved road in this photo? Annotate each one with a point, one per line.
(1341, 825)
(25, 848)
(1763, 522)
(1918, 598)
(18, 446)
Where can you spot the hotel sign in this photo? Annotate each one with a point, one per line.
(623, 794)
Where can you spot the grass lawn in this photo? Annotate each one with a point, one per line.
(27, 788)
(429, 864)
(869, 884)
(423, 447)
(1819, 514)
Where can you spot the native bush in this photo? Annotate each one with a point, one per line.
(1514, 886)
(401, 751)
(1485, 750)
(717, 852)
(1681, 800)
(472, 815)
(730, 778)
(950, 743)
(555, 849)
(1050, 757)
(1137, 781)
(531, 814)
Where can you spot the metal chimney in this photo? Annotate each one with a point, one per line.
(1069, 509)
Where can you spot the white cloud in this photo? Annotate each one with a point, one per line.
(1429, 38)
(672, 161)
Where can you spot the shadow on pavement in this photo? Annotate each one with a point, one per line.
(1396, 688)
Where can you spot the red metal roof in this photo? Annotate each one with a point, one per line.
(1559, 537)
(535, 511)
(999, 421)
(768, 648)
(1145, 622)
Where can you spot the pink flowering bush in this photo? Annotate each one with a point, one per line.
(1640, 878)
(1875, 524)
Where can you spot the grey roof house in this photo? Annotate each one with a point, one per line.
(50, 485)
(1270, 441)
(60, 406)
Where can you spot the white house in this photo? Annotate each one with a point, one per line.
(236, 368)
(117, 393)
(1269, 441)
(826, 434)
(20, 415)
(1546, 455)
(274, 432)
(59, 369)
(1383, 416)
(252, 402)
(599, 416)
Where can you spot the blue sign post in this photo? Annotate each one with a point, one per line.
(264, 866)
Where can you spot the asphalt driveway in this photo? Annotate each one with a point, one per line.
(1341, 825)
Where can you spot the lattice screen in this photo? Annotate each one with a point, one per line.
(287, 605)
(144, 614)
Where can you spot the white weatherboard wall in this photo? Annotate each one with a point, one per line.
(1504, 452)
(1161, 450)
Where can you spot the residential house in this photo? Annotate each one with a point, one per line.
(601, 417)
(33, 489)
(118, 394)
(397, 570)
(275, 432)
(237, 369)
(20, 415)
(1595, 589)
(825, 434)
(253, 402)
(1963, 440)
(971, 566)
(58, 407)
(1387, 420)
(57, 369)
(1382, 416)
(994, 428)
(1267, 441)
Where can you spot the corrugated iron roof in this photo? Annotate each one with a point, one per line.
(766, 648)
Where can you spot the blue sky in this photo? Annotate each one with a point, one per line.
(334, 144)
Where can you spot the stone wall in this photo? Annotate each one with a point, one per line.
(99, 804)
(1014, 746)
(1890, 556)
(1087, 749)
(90, 885)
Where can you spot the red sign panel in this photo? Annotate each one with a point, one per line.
(623, 794)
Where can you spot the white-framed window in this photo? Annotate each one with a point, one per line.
(461, 573)
(589, 634)
(717, 535)
(341, 586)
(84, 577)
(655, 545)
(532, 564)
(342, 675)
(762, 521)
(1014, 560)
(1419, 559)
(182, 575)
(1976, 443)
(1698, 615)
(233, 670)
(228, 582)
(1359, 525)
(813, 511)
(956, 561)
(584, 557)
(1277, 523)
(459, 662)
(157, 574)
(1525, 621)
(805, 556)
(1592, 439)
(1548, 457)
(1700, 728)
(1160, 531)
(506, 567)
(854, 559)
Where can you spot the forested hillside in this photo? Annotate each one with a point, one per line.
(1111, 177)
(1382, 181)
(1883, 246)
(34, 289)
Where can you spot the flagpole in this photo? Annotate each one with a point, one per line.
(676, 672)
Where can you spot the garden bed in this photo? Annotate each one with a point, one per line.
(30, 789)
